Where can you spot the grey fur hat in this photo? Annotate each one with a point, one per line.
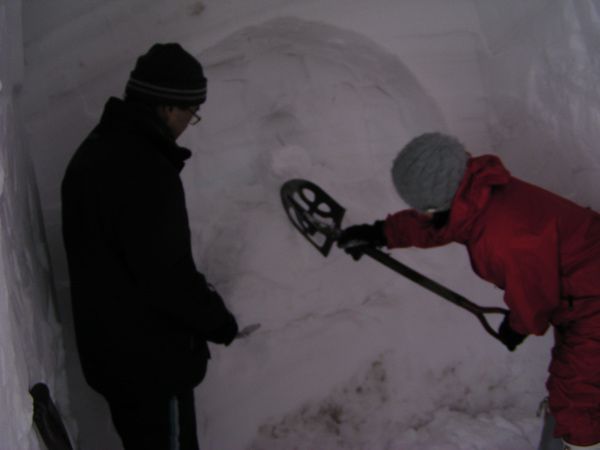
(428, 171)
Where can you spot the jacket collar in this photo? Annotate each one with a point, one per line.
(483, 174)
(141, 120)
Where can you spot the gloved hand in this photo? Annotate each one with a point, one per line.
(228, 330)
(355, 238)
(509, 337)
(226, 333)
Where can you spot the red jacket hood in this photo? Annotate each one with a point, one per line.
(483, 173)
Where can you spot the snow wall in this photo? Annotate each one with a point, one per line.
(31, 346)
(541, 74)
(348, 354)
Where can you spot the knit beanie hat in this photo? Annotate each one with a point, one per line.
(167, 75)
(428, 171)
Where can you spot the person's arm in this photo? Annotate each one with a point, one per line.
(409, 228)
(154, 236)
(530, 264)
(406, 228)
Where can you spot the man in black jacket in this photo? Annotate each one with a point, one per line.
(143, 314)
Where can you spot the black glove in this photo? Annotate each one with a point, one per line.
(355, 238)
(226, 333)
(509, 337)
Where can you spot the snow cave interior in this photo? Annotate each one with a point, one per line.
(349, 355)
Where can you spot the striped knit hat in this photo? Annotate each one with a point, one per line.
(167, 75)
(428, 171)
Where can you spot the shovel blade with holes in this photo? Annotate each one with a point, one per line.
(313, 212)
(318, 217)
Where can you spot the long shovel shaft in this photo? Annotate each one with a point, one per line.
(318, 217)
(437, 288)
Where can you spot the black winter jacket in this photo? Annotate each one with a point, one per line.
(142, 311)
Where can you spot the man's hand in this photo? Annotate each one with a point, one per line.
(509, 337)
(228, 330)
(226, 333)
(355, 238)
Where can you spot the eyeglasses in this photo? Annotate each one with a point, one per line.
(195, 117)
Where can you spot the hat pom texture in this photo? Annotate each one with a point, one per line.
(428, 171)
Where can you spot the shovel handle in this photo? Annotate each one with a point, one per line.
(490, 310)
(318, 217)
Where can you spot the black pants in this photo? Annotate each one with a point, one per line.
(150, 422)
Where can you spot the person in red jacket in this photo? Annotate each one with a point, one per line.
(541, 249)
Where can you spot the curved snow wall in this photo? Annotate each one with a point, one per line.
(541, 71)
(330, 94)
(31, 347)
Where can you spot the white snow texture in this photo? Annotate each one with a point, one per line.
(350, 355)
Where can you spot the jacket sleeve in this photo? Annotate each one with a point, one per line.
(530, 264)
(408, 228)
(153, 233)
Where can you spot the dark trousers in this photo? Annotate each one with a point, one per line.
(151, 422)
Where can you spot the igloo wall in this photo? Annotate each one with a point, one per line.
(31, 344)
(516, 79)
(540, 72)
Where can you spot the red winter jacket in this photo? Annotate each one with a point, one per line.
(541, 249)
(544, 252)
